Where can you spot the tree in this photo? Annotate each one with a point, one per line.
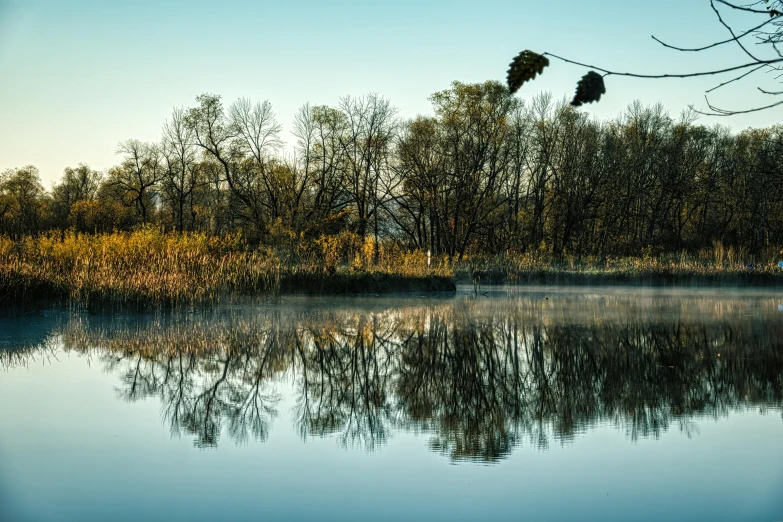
(222, 138)
(366, 143)
(180, 173)
(23, 201)
(767, 31)
(138, 174)
(258, 137)
(473, 132)
(420, 171)
(319, 165)
(77, 184)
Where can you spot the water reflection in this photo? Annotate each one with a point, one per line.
(26, 339)
(480, 377)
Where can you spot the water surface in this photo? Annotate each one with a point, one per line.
(525, 403)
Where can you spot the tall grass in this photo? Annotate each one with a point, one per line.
(133, 269)
(150, 268)
(711, 265)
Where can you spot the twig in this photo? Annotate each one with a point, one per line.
(741, 76)
(743, 8)
(731, 31)
(717, 111)
(710, 46)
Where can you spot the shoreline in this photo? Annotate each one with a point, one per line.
(716, 279)
(31, 293)
(364, 283)
(150, 269)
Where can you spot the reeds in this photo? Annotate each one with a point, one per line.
(710, 266)
(148, 268)
(135, 269)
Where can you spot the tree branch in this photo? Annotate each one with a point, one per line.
(731, 31)
(717, 111)
(743, 8)
(716, 44)
(661, 76)
(741, 76)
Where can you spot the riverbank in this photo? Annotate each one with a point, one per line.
(646, 278)
(148, 268)
(715, 267)
(365, 283)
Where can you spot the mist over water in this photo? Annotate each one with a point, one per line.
(570, 403)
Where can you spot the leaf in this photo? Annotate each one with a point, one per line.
(524, 67)
(589, 89)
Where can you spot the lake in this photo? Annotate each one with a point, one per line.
(534, 403)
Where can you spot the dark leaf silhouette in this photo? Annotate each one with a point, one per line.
(589, 89)
(524, 67)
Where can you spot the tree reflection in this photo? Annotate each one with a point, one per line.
(478, 381)
(344, 377)
(207, 374)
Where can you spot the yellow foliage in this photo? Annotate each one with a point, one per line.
(148, 266)
(330, 252)
(145, 266)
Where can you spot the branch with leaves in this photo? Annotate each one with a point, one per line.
(528, 64)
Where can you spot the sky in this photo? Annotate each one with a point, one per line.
(79, 76)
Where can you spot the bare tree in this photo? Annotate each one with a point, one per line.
(181, 172)
(366, 143)
(240, 141)
(258, 137)
(138, 174)
(320, 163)
(216, 134)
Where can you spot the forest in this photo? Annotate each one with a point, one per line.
(490, 188)
(488, 173)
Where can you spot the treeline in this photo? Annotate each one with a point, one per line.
(487, 173)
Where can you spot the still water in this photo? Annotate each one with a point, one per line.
(519, 404)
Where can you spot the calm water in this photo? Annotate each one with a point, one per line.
(534, 404)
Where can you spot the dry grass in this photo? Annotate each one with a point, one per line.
(149, 268)
(715, 265)
(132, 269)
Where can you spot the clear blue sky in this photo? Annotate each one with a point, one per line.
(78, 76)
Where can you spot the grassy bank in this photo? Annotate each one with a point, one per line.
(149, 268)
(715, 267)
